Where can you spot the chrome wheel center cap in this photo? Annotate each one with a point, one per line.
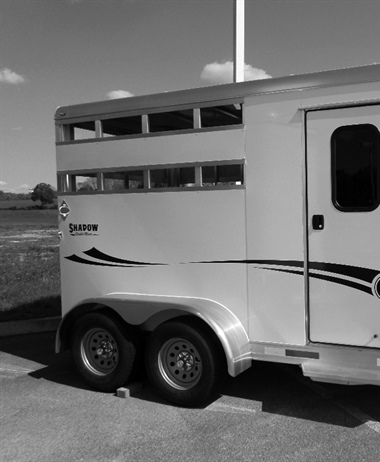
(185, 361)
(105, 349)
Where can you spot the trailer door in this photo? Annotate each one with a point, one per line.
(343, 197)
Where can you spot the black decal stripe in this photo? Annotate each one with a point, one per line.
(325, 277)
(219, 262)
(343, 282)
(95, 253)
(295, 263)
(284, 266)
(357, 272)
(282, 270)
(364, 274)
(77, 259)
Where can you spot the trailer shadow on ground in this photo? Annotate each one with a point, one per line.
(271, 388)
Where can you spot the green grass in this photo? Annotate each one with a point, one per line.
(35, 218)
(29, 271)
(25, 204)
(18, 204)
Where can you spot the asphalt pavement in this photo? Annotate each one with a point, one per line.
(268, 413)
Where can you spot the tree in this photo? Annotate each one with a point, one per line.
(43, 192)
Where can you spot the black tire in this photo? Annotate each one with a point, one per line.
(184, 362)
(104, 351)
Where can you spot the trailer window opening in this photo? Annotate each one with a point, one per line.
(84, 182)
(151, 123)
(356, 168)
(150, 179)
(118, 181)
(122, 126)
(79, 131)
(183, 177)
(219, 116)
(63, 183)
(170, 121)
(222, 175)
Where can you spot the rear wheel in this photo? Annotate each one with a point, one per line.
(104, 351)
(184, 363)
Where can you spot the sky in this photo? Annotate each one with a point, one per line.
(61, 52)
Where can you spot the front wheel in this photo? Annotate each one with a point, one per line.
(104, 351)
(184, 362)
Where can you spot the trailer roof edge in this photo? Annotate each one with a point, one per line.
(347, 76)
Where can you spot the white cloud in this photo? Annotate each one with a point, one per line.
(23, 188)
(8, 76)
(115, 94)
(218, 73)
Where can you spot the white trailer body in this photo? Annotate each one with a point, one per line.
(253, 207)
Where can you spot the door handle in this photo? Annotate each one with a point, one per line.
(318, 222)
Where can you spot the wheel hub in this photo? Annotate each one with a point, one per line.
(180, 364)
(99, 351)
(105, 349)
(185, 361)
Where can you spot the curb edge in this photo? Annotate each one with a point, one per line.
(29, 326)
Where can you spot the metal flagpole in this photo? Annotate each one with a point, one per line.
(239, 41)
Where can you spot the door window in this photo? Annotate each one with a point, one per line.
(355, 168)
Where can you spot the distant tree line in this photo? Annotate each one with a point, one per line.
(43, 192)
(9, 196)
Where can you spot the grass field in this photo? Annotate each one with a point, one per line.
(18, 204)
(29, 272)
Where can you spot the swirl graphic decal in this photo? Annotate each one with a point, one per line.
(364, 279)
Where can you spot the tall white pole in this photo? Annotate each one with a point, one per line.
(239, 41)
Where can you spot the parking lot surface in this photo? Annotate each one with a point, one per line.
(268, 413)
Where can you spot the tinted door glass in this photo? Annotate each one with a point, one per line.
(355, 168)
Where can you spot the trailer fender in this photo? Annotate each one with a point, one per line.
(148, 311)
